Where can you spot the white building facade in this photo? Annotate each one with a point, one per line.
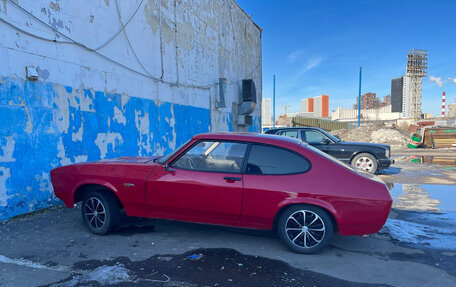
(87, 80)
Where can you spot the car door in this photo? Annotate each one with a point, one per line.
(203, 184)
(272, 175)
(317, 140)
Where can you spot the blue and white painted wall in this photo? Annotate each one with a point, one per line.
(114, 79)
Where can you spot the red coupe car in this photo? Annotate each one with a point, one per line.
(233, 179)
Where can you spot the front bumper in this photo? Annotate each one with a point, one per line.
(384, 163)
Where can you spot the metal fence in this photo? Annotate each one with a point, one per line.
(327, 125)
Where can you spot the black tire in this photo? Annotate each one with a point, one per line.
(100, 211)
(366, 162)
(314, 240)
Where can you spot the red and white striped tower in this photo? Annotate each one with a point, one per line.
(443, 104)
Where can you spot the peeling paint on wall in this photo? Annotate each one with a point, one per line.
(71, 125)
(7, 149)
(108, 142)
(85, 107)
(5, 174)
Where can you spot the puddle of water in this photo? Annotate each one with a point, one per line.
(448, 161)
(426, 215)
(424, 197)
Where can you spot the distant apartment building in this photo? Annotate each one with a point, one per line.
(307, 105)
(317, 107)
(266, 117)
(407, 95)
(451, 110)
(386, 101)
(368, 101)
(401, 92)
(397, 90)
(321, 106)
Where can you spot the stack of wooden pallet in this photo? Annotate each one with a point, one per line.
(439, 137)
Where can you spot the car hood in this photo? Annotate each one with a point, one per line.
(125, 159)
(384, 146)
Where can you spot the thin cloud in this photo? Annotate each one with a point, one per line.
(293, 56)
(452, 80)
(310, 64)
(436, 80)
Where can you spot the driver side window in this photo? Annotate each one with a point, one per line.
(314, 137)
(214, 156)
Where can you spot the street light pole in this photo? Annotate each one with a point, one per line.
(273, 101)
(359, 97)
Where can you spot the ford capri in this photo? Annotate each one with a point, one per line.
(241, 180)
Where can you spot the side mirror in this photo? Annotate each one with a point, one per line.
(326, 141)
(167, 167)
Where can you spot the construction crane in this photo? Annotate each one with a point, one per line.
(285, 106)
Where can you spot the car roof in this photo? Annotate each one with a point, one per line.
(249, 137)
(294, 128)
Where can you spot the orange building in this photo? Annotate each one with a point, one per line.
(317, 107)
(321, 106)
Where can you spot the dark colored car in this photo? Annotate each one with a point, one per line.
(369, 157)
(241, 180)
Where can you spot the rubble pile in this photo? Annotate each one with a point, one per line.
(375, 134)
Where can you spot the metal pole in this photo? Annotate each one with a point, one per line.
(273, 101)
(359, 97)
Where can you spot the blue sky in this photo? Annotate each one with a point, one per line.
(317, 47)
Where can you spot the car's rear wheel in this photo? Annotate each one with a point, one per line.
(305, 228)
(366, 162)
(100, 211)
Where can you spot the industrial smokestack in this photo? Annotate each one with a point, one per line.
(443, 104)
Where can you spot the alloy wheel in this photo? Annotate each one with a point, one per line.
(365, 163)
(95, 212)
(305, 229)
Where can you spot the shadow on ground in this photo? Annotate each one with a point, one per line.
(200, 267)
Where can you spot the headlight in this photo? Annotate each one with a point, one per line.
(387, 153)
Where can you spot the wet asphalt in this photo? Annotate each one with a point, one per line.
(53, 248)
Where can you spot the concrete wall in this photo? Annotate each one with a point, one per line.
(382, 114)
(266, 115)
(105, 92)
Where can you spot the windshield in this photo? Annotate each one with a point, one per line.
(166, 157)
(333, 138)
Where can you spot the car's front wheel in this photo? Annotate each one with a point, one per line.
(305, 228)
(100, 211)
(366, 162)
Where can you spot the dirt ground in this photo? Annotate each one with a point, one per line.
(53, 248)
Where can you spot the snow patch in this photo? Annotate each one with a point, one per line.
(30, 264)
(415, 233)
(104, 275)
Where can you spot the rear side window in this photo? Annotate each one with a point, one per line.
(291, 134)
(272, 160)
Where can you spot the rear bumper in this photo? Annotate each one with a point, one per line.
(385, 163)
(368, 219)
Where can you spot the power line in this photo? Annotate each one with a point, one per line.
(74, 42)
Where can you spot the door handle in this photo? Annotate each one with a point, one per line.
(230, 178)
